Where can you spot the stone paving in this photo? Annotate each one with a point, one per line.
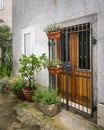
(19, 115)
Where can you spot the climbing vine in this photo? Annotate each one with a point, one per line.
(6, 58)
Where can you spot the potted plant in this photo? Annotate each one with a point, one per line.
(54, 65)
(47, 101)
(30, 64)
(53, 31)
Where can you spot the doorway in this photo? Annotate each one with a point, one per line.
(75, 82)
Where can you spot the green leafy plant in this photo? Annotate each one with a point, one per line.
(6, 50)
(46, 96)
(12, 80)
(30, 64)
(3, 71)
(52, 28)
(3, 83)
(18, 85)
(52, 63)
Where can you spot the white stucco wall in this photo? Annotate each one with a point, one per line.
(39, 13)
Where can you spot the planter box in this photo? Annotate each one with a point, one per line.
(55, 70)
(54, 35)
(50, 110)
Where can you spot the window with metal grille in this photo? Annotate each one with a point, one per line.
(1, 4)
(78, 38)
(64, 47)
(84, 50)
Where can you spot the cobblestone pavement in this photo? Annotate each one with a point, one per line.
(18, 115)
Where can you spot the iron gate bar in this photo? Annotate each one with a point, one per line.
(87, 65)
(78, 82)
(67, 103)
(79, 31)
(49, 44)
(77, 26)
(74, 69)
(84, 63)
(91, 65)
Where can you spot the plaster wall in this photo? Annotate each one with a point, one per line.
(68, 12)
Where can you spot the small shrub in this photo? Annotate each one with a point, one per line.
(3, 72)
(11, 81)
(29, 65)
(46, 96)
(18, 85)
(3, 83)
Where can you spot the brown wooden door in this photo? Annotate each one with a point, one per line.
(79, 81)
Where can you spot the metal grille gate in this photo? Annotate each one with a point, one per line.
(75, 82)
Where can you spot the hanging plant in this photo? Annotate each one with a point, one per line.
(53, 65)
(53, 31)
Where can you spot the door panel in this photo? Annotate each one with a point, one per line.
(79, 79)
(62, 85)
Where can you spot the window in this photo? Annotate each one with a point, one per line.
(84, 49)
(27, 44)
(64, 54)
(1, 4)
(75, 45)
(27, 40)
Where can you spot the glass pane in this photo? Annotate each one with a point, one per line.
(27, 44)
(84, 50)
(64, 49)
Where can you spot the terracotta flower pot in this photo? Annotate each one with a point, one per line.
(28, 94)
(56, 70)
(54, 35)
(21, 96)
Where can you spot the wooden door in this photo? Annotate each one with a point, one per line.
(79, 78)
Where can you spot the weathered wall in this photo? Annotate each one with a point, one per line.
(39, 13)
(6, 13)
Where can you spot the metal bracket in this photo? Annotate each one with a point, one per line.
(94, 41)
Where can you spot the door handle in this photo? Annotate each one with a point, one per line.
(67, 66)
